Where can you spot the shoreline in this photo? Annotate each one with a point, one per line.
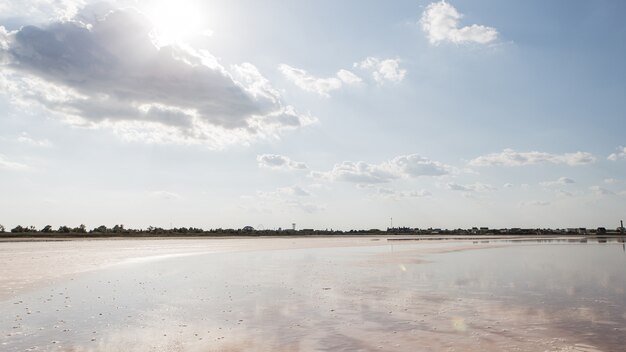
(26, 264)
(6, 238)
(30, 262)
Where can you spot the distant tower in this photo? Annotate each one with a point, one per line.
(293, 226)
(391, 222)
(621, 227)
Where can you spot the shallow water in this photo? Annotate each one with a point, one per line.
(455, 296)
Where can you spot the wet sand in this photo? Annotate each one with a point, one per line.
(329, 294)
(31, 263)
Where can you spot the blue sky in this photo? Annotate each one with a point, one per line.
(327, 114)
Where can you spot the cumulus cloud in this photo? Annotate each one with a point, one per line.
(7, 164)
(383, 69)
(620, 154)
(508, 185)
(106, 71)
(348, 77)
(509, 157)
(40, 10)
(561, 181)
(474, 187)
(440, 22)
(404, 166)
(275, 161)
(321, 86)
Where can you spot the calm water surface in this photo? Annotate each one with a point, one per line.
(501, 295)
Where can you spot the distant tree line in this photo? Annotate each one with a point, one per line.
(120, 230)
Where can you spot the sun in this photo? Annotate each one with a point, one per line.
(176, 21)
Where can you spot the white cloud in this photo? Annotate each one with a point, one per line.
(295, 191)
(275, 161)
(383, 69)
(26, 139)
(404, 166)
(257, 85)
(599, 191)
(564, 194)
(6, 164)
(5, 38)
(348, 77)
(561, 181)
(397, 195)
(610, 181)
(40, 10)
(284, 192)
(117, 78)
(620, 154)
(508, 185)
(357, 172)
(309, 83)
(535, 203)
(440, 22)
(509, 157)
(474, 187)
(321, 86)
(306, 207)
(290, 198)
(165, 195)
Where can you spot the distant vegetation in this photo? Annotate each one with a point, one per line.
(121, 231)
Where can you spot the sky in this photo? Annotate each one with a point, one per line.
(327, 114)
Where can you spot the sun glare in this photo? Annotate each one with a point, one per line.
(176, 21)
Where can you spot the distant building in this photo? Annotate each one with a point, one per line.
(248, 228)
